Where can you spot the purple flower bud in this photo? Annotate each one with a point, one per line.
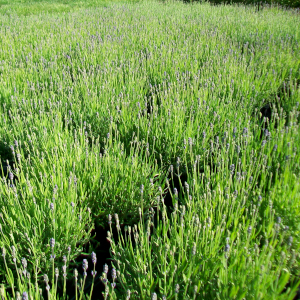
(267, 133)
(142, 188)
(85, 264)
(13, 251)
(227, 248)
(94, 258)
(194, 249)
(186, 186)
(24, 262)
(105, 268)
(175, 192)
(109, 219)
(153, 296)
(64, 269)
(249, 230)
(16, 143)
(24, 296)
(113, 273)
(52, 242)
(234, 131)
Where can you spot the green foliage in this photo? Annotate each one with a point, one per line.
(225, 240)
(106, 109)
(36, 7)
(30, 286)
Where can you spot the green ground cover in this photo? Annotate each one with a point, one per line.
(173, 128)
(31, 7)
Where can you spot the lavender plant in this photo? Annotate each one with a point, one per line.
(217, 243)
(26, 287)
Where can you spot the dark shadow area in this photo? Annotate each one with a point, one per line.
(101, 246)
(259, 5)
(6, 161)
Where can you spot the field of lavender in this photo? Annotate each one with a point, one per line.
(150, 150)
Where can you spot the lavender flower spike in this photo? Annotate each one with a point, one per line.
(113, 273)
(52, 242)
(24, 296)
(85, 264)
(94, 258)
(105, 268)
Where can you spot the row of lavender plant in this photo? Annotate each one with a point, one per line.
(232, 233)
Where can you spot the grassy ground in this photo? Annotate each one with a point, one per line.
(29, 7)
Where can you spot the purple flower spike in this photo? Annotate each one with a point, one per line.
(94, 258)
